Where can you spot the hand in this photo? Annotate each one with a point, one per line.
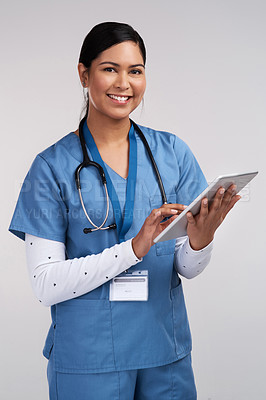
(201, 228)
(152, 226)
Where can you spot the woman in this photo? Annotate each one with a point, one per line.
(115, 339)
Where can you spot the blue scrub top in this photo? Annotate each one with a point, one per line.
(90, 333)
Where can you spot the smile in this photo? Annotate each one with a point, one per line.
(119, 98)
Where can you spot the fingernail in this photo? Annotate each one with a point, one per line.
(174, 211)
(158, 213)
(222, 191)
(205, 201)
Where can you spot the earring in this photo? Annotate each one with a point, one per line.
(83, 84)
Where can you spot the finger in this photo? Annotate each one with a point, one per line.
(175, 206)
(167, 211)
(233, 201)
(157, 215)
(232, 188)
(168, 222)
(217, 201)
(204, 209)
(190, 219)
(231, 191)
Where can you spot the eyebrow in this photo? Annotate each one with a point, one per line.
(117, 65)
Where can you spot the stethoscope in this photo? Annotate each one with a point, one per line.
(88, 163)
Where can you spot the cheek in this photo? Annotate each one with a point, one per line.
(97, 91)
(99, 86)
(140, 88)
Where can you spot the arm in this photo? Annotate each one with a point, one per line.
(188, 262)
(55, 279)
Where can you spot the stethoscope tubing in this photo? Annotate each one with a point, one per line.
(96, 228)
(160, 182)
(87, 163)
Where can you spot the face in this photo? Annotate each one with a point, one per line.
(116, 81)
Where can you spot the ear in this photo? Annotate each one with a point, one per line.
(83, 74)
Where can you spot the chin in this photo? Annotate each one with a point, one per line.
(116, 113)
(119, 116)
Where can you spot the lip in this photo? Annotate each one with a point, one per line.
(119, 95)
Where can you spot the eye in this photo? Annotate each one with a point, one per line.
(109, 69)
(136, 71)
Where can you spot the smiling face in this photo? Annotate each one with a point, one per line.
(116, 81)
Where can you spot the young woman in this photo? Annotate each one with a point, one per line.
(86, 223)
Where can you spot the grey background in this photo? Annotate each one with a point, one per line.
(206, 83)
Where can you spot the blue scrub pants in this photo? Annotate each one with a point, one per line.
(170, 382)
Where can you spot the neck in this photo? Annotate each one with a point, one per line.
(109, 131)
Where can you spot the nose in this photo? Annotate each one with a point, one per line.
(122, 81)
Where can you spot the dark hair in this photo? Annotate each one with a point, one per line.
(103, 36)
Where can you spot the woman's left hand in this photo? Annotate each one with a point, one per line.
(201, 228)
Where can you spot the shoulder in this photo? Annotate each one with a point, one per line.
(55, 160)
(65, 147)
(159, 138)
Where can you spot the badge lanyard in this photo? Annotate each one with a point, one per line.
(123, 222)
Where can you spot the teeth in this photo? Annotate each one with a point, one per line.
(118, 97)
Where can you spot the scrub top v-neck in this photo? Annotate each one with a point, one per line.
(120, 185)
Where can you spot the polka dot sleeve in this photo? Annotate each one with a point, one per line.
(55, 279)
(188, 262)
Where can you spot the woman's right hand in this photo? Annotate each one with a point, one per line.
(152, 226)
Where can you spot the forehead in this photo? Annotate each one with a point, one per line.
(125, 52)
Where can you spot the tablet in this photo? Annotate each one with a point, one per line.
(178, 227)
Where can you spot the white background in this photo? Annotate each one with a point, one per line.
(206, 83)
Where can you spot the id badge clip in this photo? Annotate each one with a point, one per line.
(130, 286)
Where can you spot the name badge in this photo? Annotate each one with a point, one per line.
(130, 286)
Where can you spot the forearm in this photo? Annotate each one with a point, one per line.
(55, 279)
(188, 262)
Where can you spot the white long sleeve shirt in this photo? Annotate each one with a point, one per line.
(55, 279)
